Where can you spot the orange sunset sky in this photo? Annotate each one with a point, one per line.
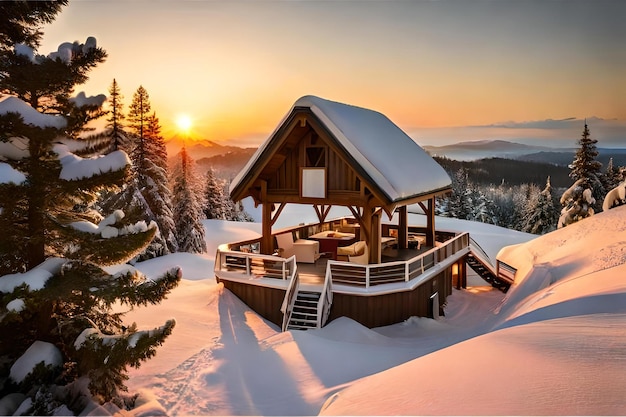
(444, 71)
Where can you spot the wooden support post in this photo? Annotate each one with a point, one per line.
(375, 232)
(403, 228)
(267, 242)
(430, 222)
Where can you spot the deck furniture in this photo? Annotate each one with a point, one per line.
(356, 253)
(305, 250)
(330, 241)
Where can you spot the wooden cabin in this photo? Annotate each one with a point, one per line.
(325, 154)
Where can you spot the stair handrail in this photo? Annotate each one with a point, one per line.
(480, 254)
(290, 297)
(325, 301)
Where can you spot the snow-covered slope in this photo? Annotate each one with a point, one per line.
(557, 344)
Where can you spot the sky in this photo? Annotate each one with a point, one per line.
(444, 71)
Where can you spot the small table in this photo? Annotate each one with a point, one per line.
(329, 241)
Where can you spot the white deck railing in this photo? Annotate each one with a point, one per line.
(254, 264)
(399, 271)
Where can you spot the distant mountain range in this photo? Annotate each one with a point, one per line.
(199, 149)
(227, 160)
(470, 151)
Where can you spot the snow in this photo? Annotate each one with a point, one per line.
(107, 231)
(75, 168)
(14, 148)
(25, 50)
(552, 345)
(614, 197)
(37, 352)
(10, 175)
(30, 116)
(557, 344)
(82, 100)
(35, 279)
(16, 305)
(376, 144)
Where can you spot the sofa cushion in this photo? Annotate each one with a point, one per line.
(357, 248)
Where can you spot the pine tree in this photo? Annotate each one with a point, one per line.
(115, 122)
(613, 176)
(577, 202)
(585, 167)
(187, 198)
(54, 242)
(214, 194)
(541, 218)
(148, 193)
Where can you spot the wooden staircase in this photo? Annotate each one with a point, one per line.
(304, 312)
(486, 273)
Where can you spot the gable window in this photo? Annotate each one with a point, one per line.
(314, 182)
(313, 174)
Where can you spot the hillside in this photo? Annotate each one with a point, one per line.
(494, 171)
(552, 347)
(475, 150)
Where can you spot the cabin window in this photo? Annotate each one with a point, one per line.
(315, 157)
(313, 182)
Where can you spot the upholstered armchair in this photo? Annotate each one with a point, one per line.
(305, 250)
(357, 253)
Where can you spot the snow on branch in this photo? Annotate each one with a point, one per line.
(75, 168)
(106, 227)
(66, 50)
(615, 197)
(10, 175)
(29, 115)
(92, 333)
(37, 353)
(15, 148)
(81, 100)
(35, 279)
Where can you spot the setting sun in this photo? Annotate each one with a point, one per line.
(184, 123)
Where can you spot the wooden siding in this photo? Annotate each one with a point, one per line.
(386, 309)
(282, 172)
(263, 300)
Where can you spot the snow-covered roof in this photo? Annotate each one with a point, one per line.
(393, 161)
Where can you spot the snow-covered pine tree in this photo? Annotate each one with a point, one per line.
(147, 194)
(214, 207)
(457, 204)
(187, 198)
(613, 176)
(541, 217)
(585, 167)
(54, 244)
(615, 197)
(577, 202)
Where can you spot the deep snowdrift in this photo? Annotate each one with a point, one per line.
(557, 345)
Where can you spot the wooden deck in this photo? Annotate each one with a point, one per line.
(313, 274)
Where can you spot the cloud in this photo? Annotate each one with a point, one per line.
(610, 133)
(546, 123)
